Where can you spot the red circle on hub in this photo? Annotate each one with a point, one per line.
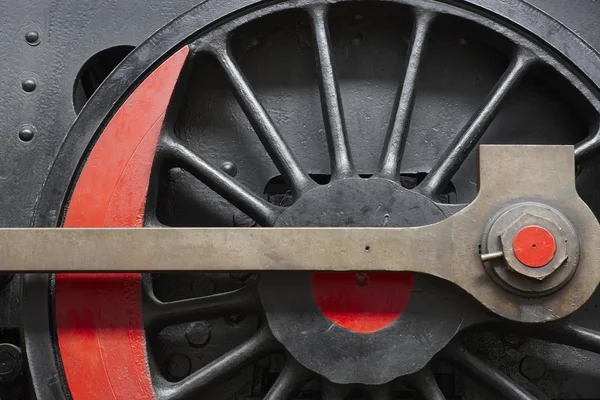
(362, 302)
(534, 246)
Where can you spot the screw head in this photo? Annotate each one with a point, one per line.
(229, 168)
(32, 37)
(29, 85)
(198, 334)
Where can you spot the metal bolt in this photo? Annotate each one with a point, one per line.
(198, 334)
(32, 37)
(11, 362)
(29, 85)
(242, 220)
(528, 245)
(178, 366)
(229, 168)
(532, 368)
(26, 134)
(530, 248)
(203, 286)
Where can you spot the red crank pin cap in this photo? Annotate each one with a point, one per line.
(530, 248)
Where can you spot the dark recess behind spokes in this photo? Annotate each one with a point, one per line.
(462, 63)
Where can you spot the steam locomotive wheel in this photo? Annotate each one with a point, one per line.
(216, 121)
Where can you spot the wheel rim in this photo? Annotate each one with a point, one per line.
(173, 153)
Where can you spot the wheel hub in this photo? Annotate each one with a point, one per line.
(357, 202)
(376, 321)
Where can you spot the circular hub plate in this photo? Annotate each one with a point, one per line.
(383, 325)
(360, 202)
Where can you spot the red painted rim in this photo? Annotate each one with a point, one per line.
(99, 321)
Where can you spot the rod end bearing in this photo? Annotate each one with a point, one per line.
(530, 249)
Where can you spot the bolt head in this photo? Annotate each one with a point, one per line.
(198, 334)
(532, 368)
(515, 262)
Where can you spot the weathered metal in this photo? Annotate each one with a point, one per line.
(448, 249)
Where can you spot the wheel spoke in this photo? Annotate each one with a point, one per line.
(454, 156)
(571, 335)
(486, 374)
(333, 114)
(278, 150)
(159, 314)
(587, 148)
(423, 382)
(252, 205)
(396, 139)
(191, 387)
(288, 381)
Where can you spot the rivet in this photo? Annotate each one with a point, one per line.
(229, 168)
(29, 85)
(32, 37)
(26, 134)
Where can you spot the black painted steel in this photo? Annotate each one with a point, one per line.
(396, 139)
(293, 167)
(251, 204)
(335, 125)
(487, 374)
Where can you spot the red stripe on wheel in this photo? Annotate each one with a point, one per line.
(99, 320)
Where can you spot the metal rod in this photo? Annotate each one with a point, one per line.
(289, 380)
(159, 314)
(466, 140)
(257, 346)
(252, 205)
(271, 138)
(396, 138)
(423, 382)
(587, 148)
(486, 374)
(335, 126)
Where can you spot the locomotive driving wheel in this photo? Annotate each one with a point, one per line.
(303, 113)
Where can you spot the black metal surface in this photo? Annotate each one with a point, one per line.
(30, 178)
(434, 315)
